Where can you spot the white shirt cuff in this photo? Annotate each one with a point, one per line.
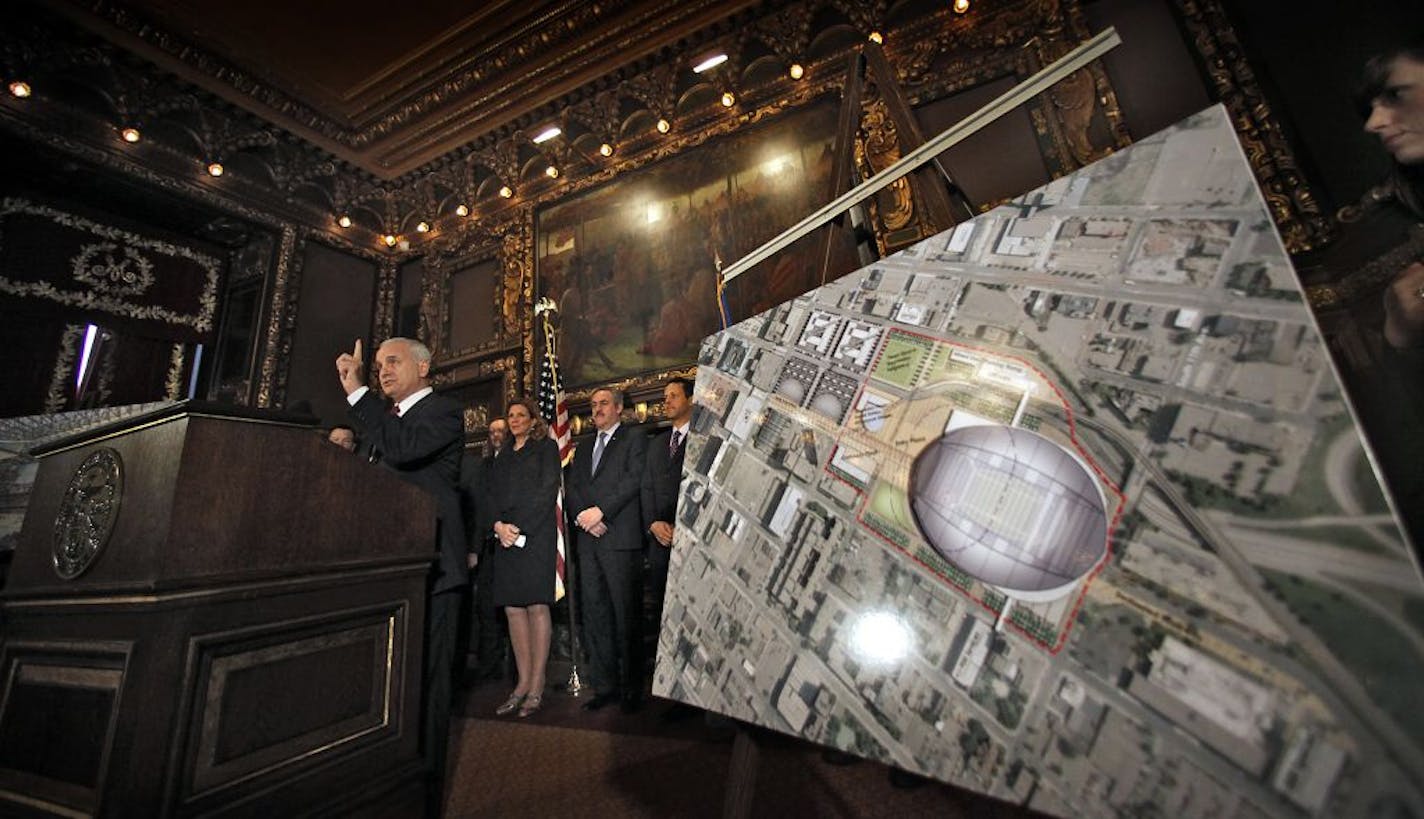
(355, 395)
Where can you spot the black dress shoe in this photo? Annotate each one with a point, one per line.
(601, 700)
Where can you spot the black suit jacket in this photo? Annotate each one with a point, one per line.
(423, 446)
(475, 500)
(661, 479)
(615, 488)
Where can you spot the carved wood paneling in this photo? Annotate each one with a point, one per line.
(1292, 203)
(281, 320)
(59, 704)
(247, 724)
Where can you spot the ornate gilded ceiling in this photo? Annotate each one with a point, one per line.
(389, 88)
(395, 115)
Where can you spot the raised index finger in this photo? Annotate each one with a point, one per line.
(356, 353)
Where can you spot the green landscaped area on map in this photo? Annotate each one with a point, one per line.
(901, 359)
(1372, 647)
(890, 504)
(887, 512)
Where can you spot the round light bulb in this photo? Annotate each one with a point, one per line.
(462, 209)
(728, 100)
(664, 126)
(389, 240)
(797, 71)
(876, 37)
(423, 227)
(215, 169)
(344, 221)
(21, 89)
(551, 172)
(506, 191)
(605, 149)
(131, 135)
(961, 6)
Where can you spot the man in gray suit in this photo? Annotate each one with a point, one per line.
(603, 485)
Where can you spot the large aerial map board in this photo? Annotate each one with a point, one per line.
(1064, 505)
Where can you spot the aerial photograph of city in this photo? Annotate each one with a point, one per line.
(1065, 505)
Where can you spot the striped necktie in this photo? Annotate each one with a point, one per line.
(598, 450)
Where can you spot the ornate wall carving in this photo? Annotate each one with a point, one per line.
(58, 257)
(517, 289)
(173, 386)
(281, 319)
(384, 321)
(1293, 205)
(59, 382)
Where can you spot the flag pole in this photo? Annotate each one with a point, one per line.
(552, 404)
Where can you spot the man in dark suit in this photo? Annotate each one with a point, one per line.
(661, 480)
(603, 485)
(420, 436)
(489, 641)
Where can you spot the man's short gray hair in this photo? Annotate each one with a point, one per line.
(616, 395)
(418, 351)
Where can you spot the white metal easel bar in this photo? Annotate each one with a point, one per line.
(1094, 48)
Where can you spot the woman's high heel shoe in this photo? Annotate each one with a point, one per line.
(531, 705)
(509, 705)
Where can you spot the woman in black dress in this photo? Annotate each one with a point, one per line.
(523, 487)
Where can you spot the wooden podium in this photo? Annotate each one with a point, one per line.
(213, 614)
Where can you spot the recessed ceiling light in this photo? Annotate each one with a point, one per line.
(711, 62)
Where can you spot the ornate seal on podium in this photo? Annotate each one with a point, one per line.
(87, 512)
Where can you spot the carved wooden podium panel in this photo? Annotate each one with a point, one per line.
(211, 614)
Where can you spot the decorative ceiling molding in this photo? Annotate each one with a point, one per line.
(605, 72)
(452, 90)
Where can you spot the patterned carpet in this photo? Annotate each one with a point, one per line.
(660, 762)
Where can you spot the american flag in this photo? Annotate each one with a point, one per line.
(555, 408)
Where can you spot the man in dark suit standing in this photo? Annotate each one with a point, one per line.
(420, 436)
(661, 480)
(489, 641)
(603, 485)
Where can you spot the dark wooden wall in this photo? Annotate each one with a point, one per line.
(338, 294)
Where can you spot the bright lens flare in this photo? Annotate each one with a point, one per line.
(880, 638)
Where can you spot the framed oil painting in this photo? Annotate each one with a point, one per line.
(633, 264)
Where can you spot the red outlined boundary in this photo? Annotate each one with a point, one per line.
(1072, 616)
